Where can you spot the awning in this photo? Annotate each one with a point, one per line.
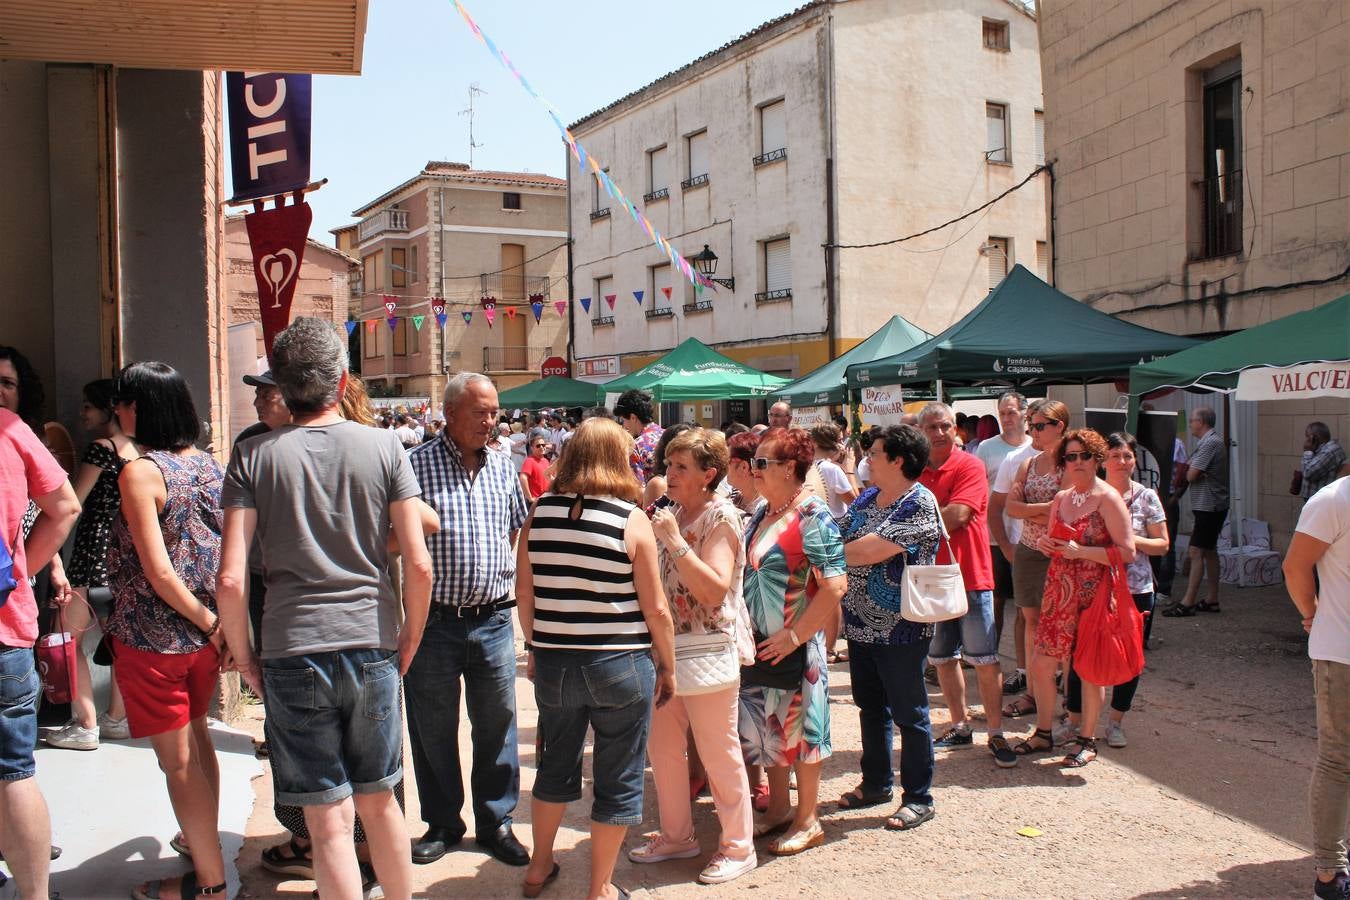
(695, 371)
(236, 35)
(826, 385)
(550, 392)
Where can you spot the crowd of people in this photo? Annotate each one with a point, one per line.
(681, 593)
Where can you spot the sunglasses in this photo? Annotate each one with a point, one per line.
(1082, 456)
(1041, 426)
(763, 462)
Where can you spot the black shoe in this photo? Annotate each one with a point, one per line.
(956, 737)
(433, 845)
(503, 845)
(1336, 889)
(1014, 684)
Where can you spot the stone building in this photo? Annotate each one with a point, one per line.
(839, 123)
(1201, 154)
(474, 238)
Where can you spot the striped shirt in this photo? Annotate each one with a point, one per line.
(471, 556)
(584, 596)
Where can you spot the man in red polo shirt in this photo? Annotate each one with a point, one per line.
(957, 480)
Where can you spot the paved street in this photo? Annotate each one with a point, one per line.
(1208, 800)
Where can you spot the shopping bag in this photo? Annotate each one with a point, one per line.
(56, 663)
(1109, 649)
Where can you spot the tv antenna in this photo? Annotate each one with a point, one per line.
(474, 91)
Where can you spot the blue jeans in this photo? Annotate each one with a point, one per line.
(332, 725)
(888, 688)
(19, 688)
(481, 650)
(972, 636)
(611, 692)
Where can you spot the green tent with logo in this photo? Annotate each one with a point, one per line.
(826, 385)
(1024, 332)
(695, 371)
(553, 391)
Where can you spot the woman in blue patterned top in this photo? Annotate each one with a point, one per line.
(893, 524)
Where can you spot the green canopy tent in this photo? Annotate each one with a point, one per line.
(695, 371)
(1024, 332)
(553, 391)
(826, 385)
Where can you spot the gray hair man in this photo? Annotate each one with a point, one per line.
(780, 415)
(1206, 478)
(957, 480)
(319, 493)
(469, 645)
(1012, 437)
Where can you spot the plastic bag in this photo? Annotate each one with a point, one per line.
(1110, 646)
(56, 663)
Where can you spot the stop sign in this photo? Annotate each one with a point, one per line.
(555, 365)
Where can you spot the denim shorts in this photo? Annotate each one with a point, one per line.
(333, 725)
(970, 637)
(610, 691)
(19, 688)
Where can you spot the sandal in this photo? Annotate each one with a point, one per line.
(178, 843)
(187, 887)
(764, 827)
(911, 815)
(1179, 611)
(1086, 753)
(289, 858)
(831, 657)
(1022, 706)
(1206, 606)
(535, 888)
(842, 655)
(1041, 741)
(861, 798)
(799, 842)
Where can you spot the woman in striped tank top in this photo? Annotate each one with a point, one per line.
(594, 614)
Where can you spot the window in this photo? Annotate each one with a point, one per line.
(658, 176)
(414, 339)
(1043, 261)
(599, 199)
(996, 133)
(661, 291)
(400, 336)
(996, 251)
(510, 200)
(772, 127)
(371, 275)
(1221, 189)
(371, 343)
(696, 146)
(600, 311)
(398, 265)
(412, 264)
(777, 271)
(996, 35)
(1040, 137)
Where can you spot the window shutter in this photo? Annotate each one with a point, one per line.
(1043, 260)
(1040, 137)
(998, 261)
(773, 127)
(599, 308)
(777, 265)
(698, 154)
(658, 170)
(598, 201)
(995, 142)
(660, 279)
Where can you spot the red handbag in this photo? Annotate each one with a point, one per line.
(1109, 649)
(56, 662)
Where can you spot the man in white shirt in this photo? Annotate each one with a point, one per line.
(1012, 436)
(1321, 542)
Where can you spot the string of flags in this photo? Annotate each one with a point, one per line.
(487, 306)
(588, 162)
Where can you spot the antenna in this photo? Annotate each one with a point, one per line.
(474, 90)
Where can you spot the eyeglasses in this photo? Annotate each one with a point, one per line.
(1082, 456)
(763, 462)
(1041, 426)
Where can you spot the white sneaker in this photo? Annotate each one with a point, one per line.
(1064, 732)
(110, 729)
(72, 737)
(657, 849)
(722, 869)
(1115, 735)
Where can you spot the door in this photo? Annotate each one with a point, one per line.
(515, 344)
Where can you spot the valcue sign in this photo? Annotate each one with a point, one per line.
(1320, 379)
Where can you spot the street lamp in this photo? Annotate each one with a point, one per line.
(706, 263)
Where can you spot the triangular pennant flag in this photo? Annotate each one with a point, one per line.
(351, 326)
(393, 322)
(560, 306)
(510, 312)
(538, 309)
(490, 313)
(610, 298)
(417, 322)
(437, 306)
(370, 326)
(440, 319)
(637, 295)
(666, 291)
(468, 316)
(390, 305)
(586, 304)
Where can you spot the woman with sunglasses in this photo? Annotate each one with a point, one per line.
(1085, 521)
(1039, 478)
(794, 580)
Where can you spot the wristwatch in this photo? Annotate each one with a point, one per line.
(680, 553)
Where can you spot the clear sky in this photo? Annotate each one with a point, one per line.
(373, 132)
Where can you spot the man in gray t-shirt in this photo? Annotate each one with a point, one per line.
(323, 494)
(1207, 478)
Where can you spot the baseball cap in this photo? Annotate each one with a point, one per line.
(263, 380)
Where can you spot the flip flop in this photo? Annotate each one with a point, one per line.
(535, 888)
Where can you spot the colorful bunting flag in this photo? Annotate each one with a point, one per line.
(390, 305)
(440, 320)
(438, 310)
(666, 291)
(560, 306)
(393, 322)
(637, 295)
(468, 316)
(537, 308)
(610, 298)
(511, 312)
(417, 322)
(586, 304)
(370, 326)
(351, 326)
(490, 313)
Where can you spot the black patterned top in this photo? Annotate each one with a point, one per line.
(89, 558)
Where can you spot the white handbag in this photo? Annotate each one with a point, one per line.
(705, 663)
(934, 593)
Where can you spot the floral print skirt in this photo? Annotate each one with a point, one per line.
(780, 727)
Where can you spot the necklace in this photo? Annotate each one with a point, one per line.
(780, 510)
(1078, 499)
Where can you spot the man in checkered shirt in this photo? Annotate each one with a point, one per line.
(469, 639)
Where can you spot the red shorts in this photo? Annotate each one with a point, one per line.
(164, 691)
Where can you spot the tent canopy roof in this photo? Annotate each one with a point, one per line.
(1025, 331)
(1315, 335)
(695, 371)
(555, 390)
(826, 385)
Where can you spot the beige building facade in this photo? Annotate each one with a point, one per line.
(475, 238)
(837, 124)
(1202, 185)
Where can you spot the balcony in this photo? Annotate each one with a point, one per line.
(773, 296)
(506, 286)
(598, 214)
(660, 312)
(658, 194)
(393, 221)
(514, 359)
(694, 181)
(772, 156)
(601, 321)
(698, 306)
(1221, 215)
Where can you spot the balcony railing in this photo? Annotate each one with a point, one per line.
(771, 156)
(393, 220)
(658, 194)
(1221, 215)
(773, 296)
(694, 181)
(600, 321)
(698, 306)
(505, 286)
(661, 312)
(598, 214)
(514, 359)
